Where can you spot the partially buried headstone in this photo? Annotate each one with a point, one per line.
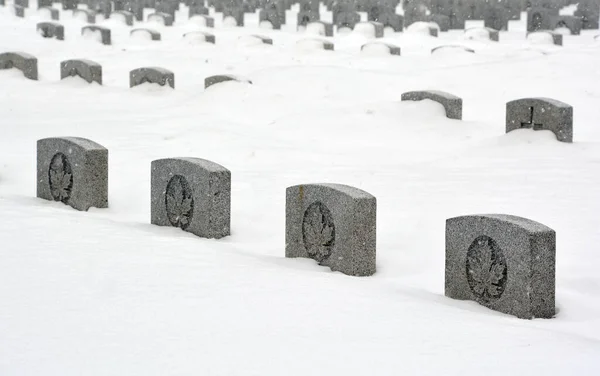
(213, 80)
(503, 262)
(105, 34)
(154, 35)
(541, 114)
(164, 18)
(333, 224)
(153, 75)
(74, 171)
(51, 30)
(193, 194)
(88, 70)
(24, 62)
(452, 104)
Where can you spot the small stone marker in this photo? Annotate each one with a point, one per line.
(386, 15)
(89, 70)
(53, 12)
(236, 13)
(327, 27)
(557, 39)
(24, 62)
(503, 262)
(164, 18)
(74, 171)
(154, 35)
(541, 114)
(213, 80)
(207, 21)
(492, 34)
(69, 4)
(51, 30)
(125, 16)
(90, 16)
(154, 75)
(194, 35)
(393, 50)
(452, 104)
(19, 11)
(105, 33)
(333, 224)
(325, 44)
(193, 194)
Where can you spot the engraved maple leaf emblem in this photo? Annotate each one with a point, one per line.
(318, 235)
(485, 272)
(60, 184)
(179, 205)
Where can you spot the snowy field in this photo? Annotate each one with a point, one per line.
(105, 293)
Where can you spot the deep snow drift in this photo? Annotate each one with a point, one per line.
(105, 293)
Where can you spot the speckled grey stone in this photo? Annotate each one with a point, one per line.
(90, 16)
(153, 75)
(496, 17)
(154, 35)
(333, 224)
(51, 30)
(89, 70)
(346, 20)
(503, 262)
(208, 37)
(167, 19)
(466, 49)
(452, 104)
(126, 16)
(208, 21)
(104, 33)
(386, 16)
(74, 171)
(54, 13)
(394, 50)
(24, 62)
(193, 194)
(541, 114)
(213, 80)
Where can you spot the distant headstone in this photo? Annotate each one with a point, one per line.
(496, 17)
(393, 50)
(19, 11)
(69, 4)
(26, 63)
(154, 75)
(541, 114)
(213, 80)
(74, 171)
(326, 27)
(589, 12)
(385, 15)
(574, 24)
(164, 18)
(557, 39)
(88, 70)
(85, 14)
(22, 3)
(333, 224)
(51, 30)
(52, 12)
(154, 35)
(309, 12)
(205, 21)
(503, 262)
(193, 194)
(105, 35)
(125, 16)
(452, 104)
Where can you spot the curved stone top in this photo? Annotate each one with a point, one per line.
(541, 100)
(151, 31)
(523, 223)
(205, 164)
(488, 29)
(157, 69)
(49, 23)
(453, 46)
(13, 54)
(371, 43)
(83, 143)
(437, 93)
(81, 61)
(348, 190)
(95, 27)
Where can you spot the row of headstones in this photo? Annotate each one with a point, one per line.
(503, 262)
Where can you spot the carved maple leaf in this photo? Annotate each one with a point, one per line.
(318, 236)
(60, 183)
(179, 206)
(486, 273)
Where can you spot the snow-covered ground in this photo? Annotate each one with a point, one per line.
(105, 293)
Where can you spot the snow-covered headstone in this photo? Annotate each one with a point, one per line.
(88, 70)
(503, 262)
(103, 34)
(74, 171)
(193, 194)
(26, 63)
(153, 34)
(216, 79)
(153, 75)
(452, 104)
(333, 224)
(51, 30)
(541, 114)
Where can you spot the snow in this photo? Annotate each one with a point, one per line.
(105, 292)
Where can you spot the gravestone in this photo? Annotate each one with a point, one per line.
(125, 16)
(441, 20)
(333, 224)
(263, 39)
(26, 63)
(452, 104)
(273, 12)
(165, 19)
(207, 21)
(51, 30)
(105, 35)
(154, 35)
(90, 16)
(19, 11)
(541, 114)
(393, 50)
(197, 10)
(153, 75)
(496, 18)
(309, 12)
(235, 12)
(213, 80)
(589, 12)
(326, 28)
(325, 44)
(557, 39)
(69, 4)
(53, 12)
(574, 24)
(74, 171)
(193, 194)
(206, 37)
(492, 34)
(22, 3)
(386, 16)
(503, 262)
(88, 70)
(540, 19)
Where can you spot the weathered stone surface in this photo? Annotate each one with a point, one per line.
(105, 33)
(89, 70)
(574, 24)
(51, 30)
(385, 15)
(154, 75)
(433, 31)
(164, 18)
(208, 21)
(346, 20)
(333, 224)
(236, 13)
(103, 7)
(466, 49)
(74, 171)
(309, 12)
(88, 15)
(557, 39)
(273, 12)
(452, 104)
(53, 12)
(69, 4)
(503, 262)
(394, 50)
(213, 80)
(125, 16)
(24, 62)
(541, 114)
(193, 194)
(540, 19)
(198, 10)
(378, 28)
(208, 38)
(154, 35)
(589, 12)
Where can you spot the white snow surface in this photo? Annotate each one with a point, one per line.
(105, 292)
